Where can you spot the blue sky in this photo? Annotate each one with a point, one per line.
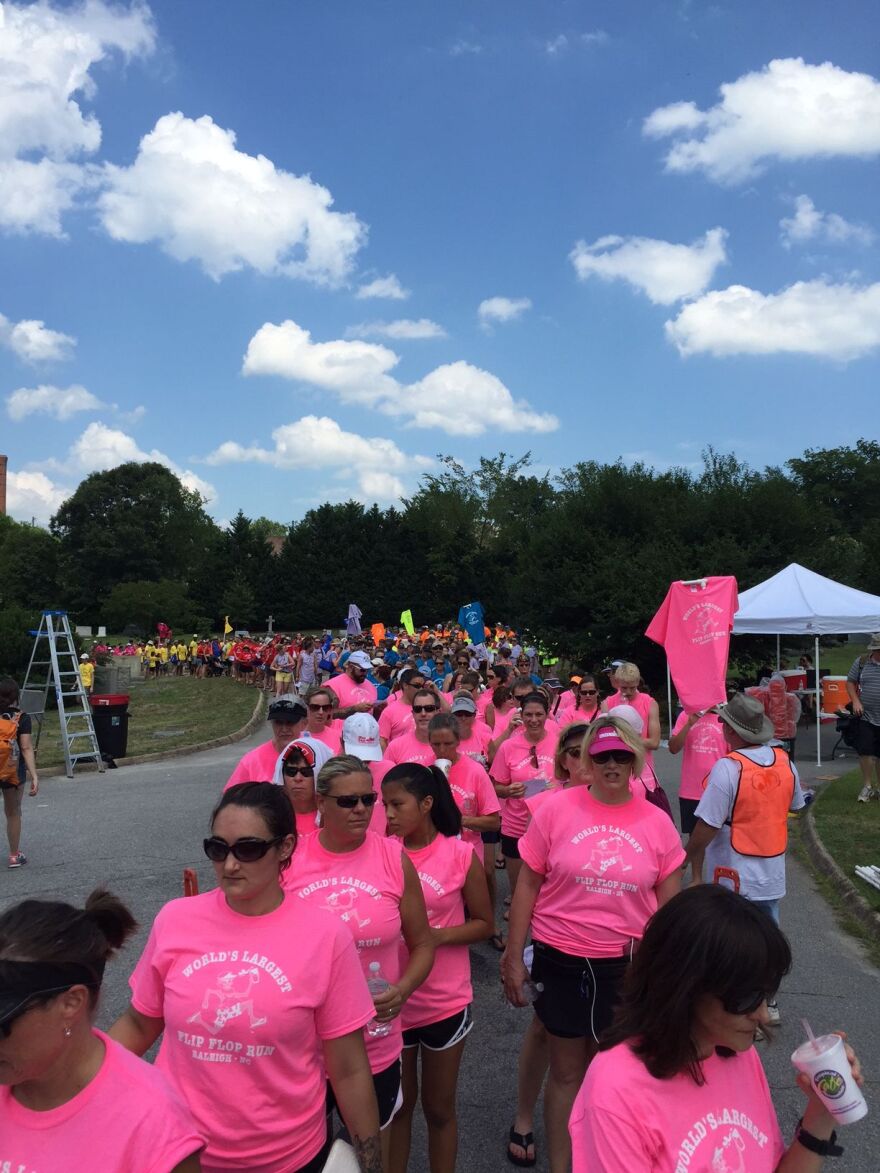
(295, 251)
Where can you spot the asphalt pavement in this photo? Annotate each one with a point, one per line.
(135, 829)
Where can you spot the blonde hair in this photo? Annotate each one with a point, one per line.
(342, 766)
(318, 690)
(628, 673)
(627, 735)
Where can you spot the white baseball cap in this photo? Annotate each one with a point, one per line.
(360, 660)
(360, 736)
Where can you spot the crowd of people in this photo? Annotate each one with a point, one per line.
(323, 988)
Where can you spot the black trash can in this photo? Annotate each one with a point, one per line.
(110, 718)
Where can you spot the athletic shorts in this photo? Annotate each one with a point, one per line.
(579, 994)
(687, 811)
(317, 1162)
(510, 846)
(283, 677)
(490, 836)
(868, 740)
(389, 1095)
(10, 785)
(440, 1036)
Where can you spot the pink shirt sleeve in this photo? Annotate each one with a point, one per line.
(605, 1143)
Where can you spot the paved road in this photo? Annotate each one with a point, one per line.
(135, 829)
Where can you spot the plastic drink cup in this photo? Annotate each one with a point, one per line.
(824, 1061)
(444, 764)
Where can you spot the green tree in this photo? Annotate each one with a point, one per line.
(147, 603)
(239, 602)
(28, 566)
(16, 640)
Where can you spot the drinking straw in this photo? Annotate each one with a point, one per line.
(809, 1030)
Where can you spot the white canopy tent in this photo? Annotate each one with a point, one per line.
(797, 601)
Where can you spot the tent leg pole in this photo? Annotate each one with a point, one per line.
(818, 709)
(778, 653)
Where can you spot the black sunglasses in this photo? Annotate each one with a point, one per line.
(424, 708)
(745, 1003)
(244, 850)
(349, 801)
(619, 756)
(572, 751)
(318, 708)
(289, 769)
(589, 691)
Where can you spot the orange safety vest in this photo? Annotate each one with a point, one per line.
(759, 821)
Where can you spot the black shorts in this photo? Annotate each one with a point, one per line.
(317, 1162)
(868, 740)
(440, 1036)
(490, 836)
(579, 994)
(389, 1096)
(687, 810)
(510, 846)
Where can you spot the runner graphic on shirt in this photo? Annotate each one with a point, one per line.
(343, 903)
(605, 854)
(229, 1000)
(729, 1156)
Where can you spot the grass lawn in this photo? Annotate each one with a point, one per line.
(850, 830)
(169, 714)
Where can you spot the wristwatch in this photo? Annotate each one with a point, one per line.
(822, 1148)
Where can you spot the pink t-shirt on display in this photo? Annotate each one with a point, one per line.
(331, 736)
(442, 868)
(396, 719)
(703, 746)
(128, 1117)
(258, 765)
(408, 748)
(641, 702)
(247, 1001)
(601, 865)
(694, 625)
(515, 762)
(474, 794)
(726, 1125)
(350, 693)
(364, 888)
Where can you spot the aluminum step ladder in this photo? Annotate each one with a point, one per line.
(54, 664)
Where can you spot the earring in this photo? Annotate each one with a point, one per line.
(67, 1032)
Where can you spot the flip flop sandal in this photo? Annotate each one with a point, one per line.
(524, 1141)
(500, 863)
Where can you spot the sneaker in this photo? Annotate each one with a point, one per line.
(773, 1016)
(15, 861)
(865, 794)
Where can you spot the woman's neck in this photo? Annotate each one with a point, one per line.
(337, 846)
(619, 798)
(304, 806)
(423, 836)
(534, 738)
(260, 905)
(77, 1066)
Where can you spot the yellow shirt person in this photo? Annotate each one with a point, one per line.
(87, 673)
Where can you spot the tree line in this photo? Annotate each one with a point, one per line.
(580, 561)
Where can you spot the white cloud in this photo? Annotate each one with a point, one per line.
(665, 272)
(788, 110)
(456, 397)
(502, 309)
(404, 328)
(812, 318)
(318, 443)
(33, 494)
(202, 200)
(100, 448)
(808, 223)
(46, 58)
(33, 342)
(557, 45)
(463, 48)
(596, 37)
(464, 401)
(388, 287)
(60, 403)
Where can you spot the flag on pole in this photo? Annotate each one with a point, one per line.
(227, 626)
(406, 621)
(470, 617)
(353, 622)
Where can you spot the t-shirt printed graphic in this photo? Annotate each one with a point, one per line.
(363, 889)
(601, 865)
(474, 795)
(246, 1002)
(703, 746)
(726, 1125)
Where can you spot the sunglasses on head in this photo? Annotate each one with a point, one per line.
(349, 801)
(746, 1003)
(245, 850)
(621, 757)
(424, 708)
(290, 769)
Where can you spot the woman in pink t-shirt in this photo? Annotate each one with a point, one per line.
(371, 886)
(295, 770)
(414, 746)
(321, 703)
(627, 678)
(437, 1018)
(677, 1083)
(70, 1097)
(596, 864)
(259, 999)
(588, 704)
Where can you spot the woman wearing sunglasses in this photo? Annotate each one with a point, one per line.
(321, 703)
(436, 1020)
(414, 745)
(494, 676)
(70, 1097)
(373, 888)
(678, 1083)
(259, 998)
(596, 864)
(295, 770)
(588, 703)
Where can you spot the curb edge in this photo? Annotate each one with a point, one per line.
(825, 862)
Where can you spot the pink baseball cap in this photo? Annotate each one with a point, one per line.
(607, 739)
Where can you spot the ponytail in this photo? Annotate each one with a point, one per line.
(429, 782)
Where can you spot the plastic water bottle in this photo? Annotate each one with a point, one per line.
(531, 991)
(376, 984)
